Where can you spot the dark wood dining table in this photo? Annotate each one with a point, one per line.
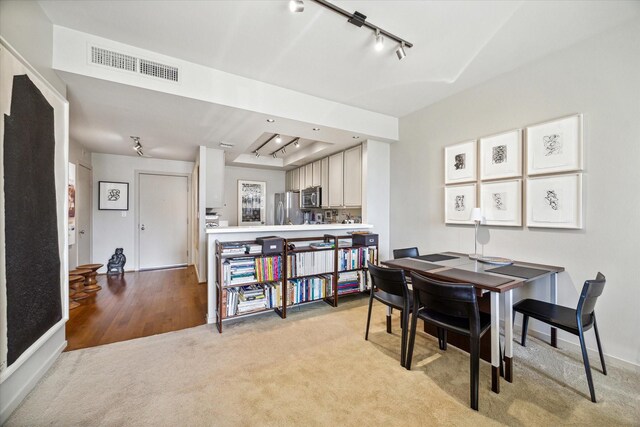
(497, 280)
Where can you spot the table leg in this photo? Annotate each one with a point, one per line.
(508, 335)
(495, 342)
(553, 298)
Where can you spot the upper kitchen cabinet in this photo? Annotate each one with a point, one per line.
(353, 177)
(317, 173)
(324, 181)
(308, 175)
(214, 163)
(302, 176)
(295, 179)
(336, 180)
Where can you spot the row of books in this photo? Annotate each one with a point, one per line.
(352, 281)
(237, 271)
(309, 263)
(251, 298)
(350, 259)
(309, 289)
(231, 248)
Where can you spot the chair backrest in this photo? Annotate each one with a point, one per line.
(591, 290)
(405, 253)
(451, 299)
(389, 280)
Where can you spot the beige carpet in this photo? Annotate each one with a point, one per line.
(315, 368)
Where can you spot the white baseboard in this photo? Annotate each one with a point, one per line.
(11, 399)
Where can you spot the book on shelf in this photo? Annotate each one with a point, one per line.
(353, 258)
(253, 249)
(309, 289)
(241, 270)
(251, 298)
(310, 263)
(352, 281)
(321, 245)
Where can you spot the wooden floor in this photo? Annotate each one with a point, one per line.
(136, 305)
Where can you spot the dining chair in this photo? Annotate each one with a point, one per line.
(575, 321)
(450, 307)
(405, 253)
(389, 286)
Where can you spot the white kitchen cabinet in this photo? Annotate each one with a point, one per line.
(302, 178)
(287, 181)
(214, 163)
(295, 179)
(324, 181)
(317, 173)
(336, 180)
(353, 177)
(308, 175)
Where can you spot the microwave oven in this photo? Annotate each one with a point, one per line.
(311, 197)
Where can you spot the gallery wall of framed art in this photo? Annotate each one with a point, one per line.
(548, 196)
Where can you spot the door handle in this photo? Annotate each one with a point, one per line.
(142, 227)
(81, 232)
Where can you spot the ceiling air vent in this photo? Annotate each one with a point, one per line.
(113, 59)
(156, 69)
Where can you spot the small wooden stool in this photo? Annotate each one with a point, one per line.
(91, 284)
(76, 285)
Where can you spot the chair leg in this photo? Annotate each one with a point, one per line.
(595, 329)
(412, 340)
(401, 320)
(444, 340)
(404, 316)
(439, 331)
(587, 368)
(474, 368)
(525, 326)
(366, 334)
(389, 313)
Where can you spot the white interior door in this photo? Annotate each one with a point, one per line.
(163, 221)
(83, 214)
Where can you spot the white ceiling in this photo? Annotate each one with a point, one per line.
(457, 44)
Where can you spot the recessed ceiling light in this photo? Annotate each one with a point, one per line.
(316, 129)
(278, 139)
(355, 137)
(271, 120)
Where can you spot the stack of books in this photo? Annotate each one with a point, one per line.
(268, 269)
(253, 249)
(310, 288)
(233, 248)
(351, 259)
(273, 292)
(231, 302)
(310, 263)
(351, 282)
(237, 271)
(251, 298)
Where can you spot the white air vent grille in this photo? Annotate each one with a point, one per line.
(156, 69)
(113, 59)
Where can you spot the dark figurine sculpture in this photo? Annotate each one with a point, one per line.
(116, 262)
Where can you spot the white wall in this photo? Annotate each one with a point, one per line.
(111, 229)
(376, 170)
(600, 78)
(27, 28)
(275, 184)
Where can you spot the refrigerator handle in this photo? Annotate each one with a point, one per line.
(280, 213)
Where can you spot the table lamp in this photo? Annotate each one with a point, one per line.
(476, 216)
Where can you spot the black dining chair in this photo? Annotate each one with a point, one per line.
(389, 286)
(575, 321)
(405, 253)
(450, 307)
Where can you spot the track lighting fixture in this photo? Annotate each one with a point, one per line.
(400, 51)
(278, 139)
(360, 20)
(137, 146)
(379, 41)
(284, 150)
(257, 154)
(274, 155)
(297, 144)
(296, 6)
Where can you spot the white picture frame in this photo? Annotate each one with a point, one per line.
(458, 202)
(501, 202)
(460, 162)
(555, 146)
(501, 155)
(252, 201)
(555, 201)
(113, 196)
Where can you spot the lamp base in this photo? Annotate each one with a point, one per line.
(475, 256)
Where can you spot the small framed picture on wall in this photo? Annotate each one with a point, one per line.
(501, 155)
(458, 202)
(555, 201)
(555, 146)
(460, 162)
(113, 196)
(252, 200)
(501, 202)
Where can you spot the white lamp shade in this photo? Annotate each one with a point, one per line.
(476, 214)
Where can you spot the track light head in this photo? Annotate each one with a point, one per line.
(278, 139)
(275, 156)
(297, 144)
(400, 52)
(284, 150)
(379, 41)
(140, 153)
(257, 154)
(296, 6)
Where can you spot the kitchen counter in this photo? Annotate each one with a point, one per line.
(230, 234)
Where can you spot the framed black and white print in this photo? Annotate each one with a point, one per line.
(460, 163)
(113, 196)
(555, 201)
(501, 202)
(458, 202)
(501, 155)
(555, 146)
(252, 200)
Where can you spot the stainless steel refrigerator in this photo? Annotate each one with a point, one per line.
(287, 208)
